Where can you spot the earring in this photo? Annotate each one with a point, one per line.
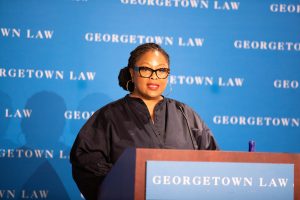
(127, 84)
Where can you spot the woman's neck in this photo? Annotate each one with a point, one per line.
(150, 103)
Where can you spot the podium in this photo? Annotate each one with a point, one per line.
(127, 179)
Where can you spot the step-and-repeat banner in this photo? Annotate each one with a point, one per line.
(236, 62)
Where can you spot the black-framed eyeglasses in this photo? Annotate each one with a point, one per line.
(147, 72)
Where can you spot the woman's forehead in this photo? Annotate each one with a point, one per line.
(153, 56)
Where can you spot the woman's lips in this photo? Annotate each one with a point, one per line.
(153, 86)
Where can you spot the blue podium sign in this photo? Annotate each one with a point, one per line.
(219, 180)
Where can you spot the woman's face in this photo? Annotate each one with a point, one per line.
(150, 88)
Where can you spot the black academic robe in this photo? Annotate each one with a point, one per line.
(127, 123)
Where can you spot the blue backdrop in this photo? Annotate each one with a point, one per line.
(235, 62)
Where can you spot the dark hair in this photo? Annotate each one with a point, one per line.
(124, 75)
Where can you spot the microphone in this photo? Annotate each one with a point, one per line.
(179, 106)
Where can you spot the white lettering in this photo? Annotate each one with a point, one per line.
(90, 76)
(207, 81)
(282, 182)
(286, 84)
(226, 5)
(231, 82)
(7, 194)
(131, 39)
(264, 45)
(18, 113)
(62, 155)
(27, 153)
(78, 115)
(256, 121)
(6, 32)
(156, 180)
(30, 73)
(166, 180)
(34, 194)
(279, 182)
(39, 34)
(186, 180)
(193, 4)
(190, 42)
(205, 181)
(176, 180)
(285, 8)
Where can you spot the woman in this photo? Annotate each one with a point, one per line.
(143, 118)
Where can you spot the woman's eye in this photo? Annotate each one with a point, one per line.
(163, 70)
(146, 69)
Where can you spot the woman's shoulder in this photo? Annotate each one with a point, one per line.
(114, 105)
(178, 104)
(106, 111)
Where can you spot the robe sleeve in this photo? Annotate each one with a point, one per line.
(90, 156)
(202, 134)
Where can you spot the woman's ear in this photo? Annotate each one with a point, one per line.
(131, 73)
